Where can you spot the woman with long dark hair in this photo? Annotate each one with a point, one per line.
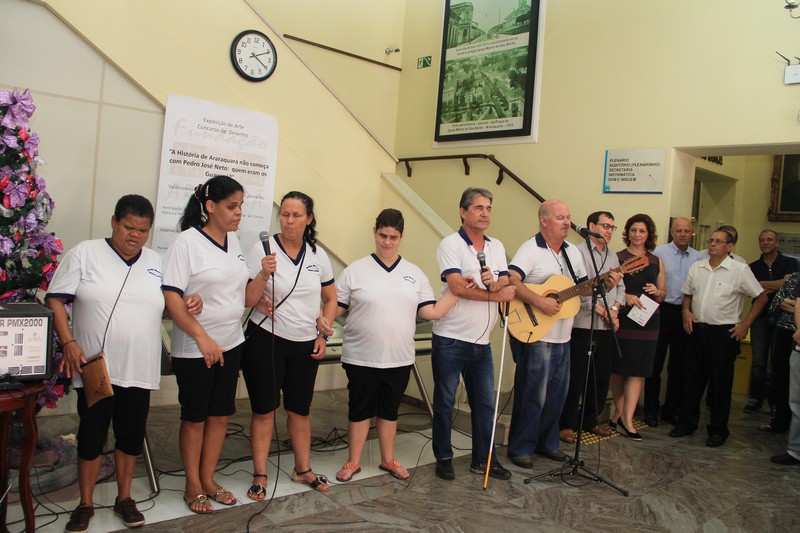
(206, 259)
(284, 346)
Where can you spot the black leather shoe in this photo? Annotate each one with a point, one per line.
(651, 421)
(522, 461)
(679, 431)
(784, 459)
(555, 455)
(622, 430)
(496, 471)
(444, 469)
(715, 440)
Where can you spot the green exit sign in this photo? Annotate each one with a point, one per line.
(424, 62)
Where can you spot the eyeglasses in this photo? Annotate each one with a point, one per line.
(717, 241)
(606, 226)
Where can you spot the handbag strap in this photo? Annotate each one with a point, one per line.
(105, 333)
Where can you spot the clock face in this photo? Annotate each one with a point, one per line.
(253, 55)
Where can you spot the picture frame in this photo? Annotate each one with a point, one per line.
(487, 70)
(784, 204)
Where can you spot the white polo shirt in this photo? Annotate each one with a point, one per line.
(383, 303)
(470, 320)
(195, 263)
(718, 294)
(90, 276)
(535, 261)
(296, 318)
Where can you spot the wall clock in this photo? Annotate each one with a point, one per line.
(253, 55)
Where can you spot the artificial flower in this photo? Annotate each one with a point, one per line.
(19, 108)
(16, 194)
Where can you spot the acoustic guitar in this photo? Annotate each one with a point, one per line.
(527, 326)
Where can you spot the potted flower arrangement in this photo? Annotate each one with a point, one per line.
(28, 252)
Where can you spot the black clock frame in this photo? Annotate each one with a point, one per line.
(236, 64)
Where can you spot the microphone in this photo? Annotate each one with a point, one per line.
(264, 236)
(586, 232)
(482, 260)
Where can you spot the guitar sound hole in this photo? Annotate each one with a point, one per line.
(553, 296)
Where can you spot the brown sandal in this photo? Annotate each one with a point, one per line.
(320, 483)
(221, 495)
(200, 499)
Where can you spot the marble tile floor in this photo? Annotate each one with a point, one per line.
(675, 485)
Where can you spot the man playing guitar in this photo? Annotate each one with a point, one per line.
(541, 378)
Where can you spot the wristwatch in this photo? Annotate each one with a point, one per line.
(615, 308)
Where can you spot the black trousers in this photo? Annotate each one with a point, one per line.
(713, 353)
(780, 378)
(673, 337)
(599, 375)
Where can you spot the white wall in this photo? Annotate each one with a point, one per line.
(361, 27)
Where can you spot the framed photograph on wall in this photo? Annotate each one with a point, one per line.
(488, 67)
(784, 204)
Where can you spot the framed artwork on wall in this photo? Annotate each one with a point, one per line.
(784, 204)
(488, 66)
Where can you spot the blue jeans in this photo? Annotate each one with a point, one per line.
(541, 382)
(762, 336)
(450, 359)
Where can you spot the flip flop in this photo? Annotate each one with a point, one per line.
(348, 471)
(221, 495)
(258, 492)
(395, 469)
(200, 499)
(320, 483)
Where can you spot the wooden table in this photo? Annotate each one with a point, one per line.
(23, 400)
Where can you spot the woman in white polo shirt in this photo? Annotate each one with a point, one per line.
(206, 259)
(383, 293)
(115, 287)
(284, 354)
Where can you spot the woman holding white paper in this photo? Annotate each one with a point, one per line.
(638, 343)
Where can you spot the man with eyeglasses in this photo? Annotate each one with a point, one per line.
(601, 222)
(677, 256)
(735, 235)
(714, 293)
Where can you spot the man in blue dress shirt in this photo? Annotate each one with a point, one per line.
(677, 256)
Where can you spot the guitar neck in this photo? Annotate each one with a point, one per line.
(575, 290)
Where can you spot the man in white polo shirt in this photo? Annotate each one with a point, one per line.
(714, 293)
(461, 338)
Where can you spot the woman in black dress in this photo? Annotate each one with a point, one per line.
(638, 343)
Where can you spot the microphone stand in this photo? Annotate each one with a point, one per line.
(575, 467)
